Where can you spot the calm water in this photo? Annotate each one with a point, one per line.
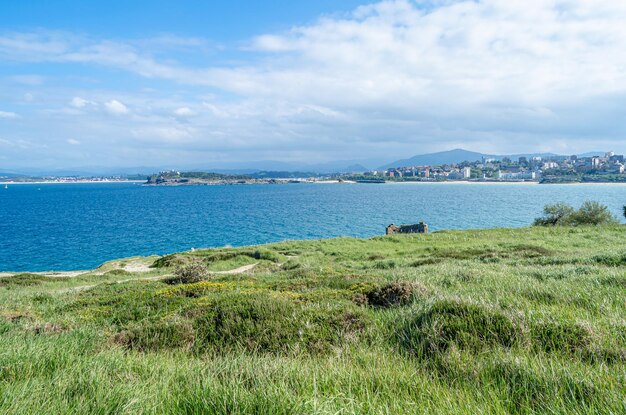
(79, 226)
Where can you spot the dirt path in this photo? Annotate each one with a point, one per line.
(132, 266)
(239, 270)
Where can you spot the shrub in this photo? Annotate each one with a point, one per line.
(590, 213)
(167, 261)
(560, 337)
(594, 213)
(449, 323)
(394, 294)
(259, 323)
(188, 274)
(266, 255)
(558, 214)
(291, 264)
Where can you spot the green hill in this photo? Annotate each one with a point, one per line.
(490, 321)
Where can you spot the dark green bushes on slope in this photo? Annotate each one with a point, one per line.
(447, 323)
(394, 294)
(560, 337)
(258, 323)
(188, 274)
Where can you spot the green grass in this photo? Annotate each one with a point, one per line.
(522, 321)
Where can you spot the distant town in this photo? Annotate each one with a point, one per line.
(607, 168)
(552, 169)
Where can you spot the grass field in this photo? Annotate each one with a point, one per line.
(496, 321)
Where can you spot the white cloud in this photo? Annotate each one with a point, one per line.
(73, 141)
(184, 112)
(115, 107)
(8, 114)
(394, 76)
(78, 102)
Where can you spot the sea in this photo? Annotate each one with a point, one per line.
(46, 227)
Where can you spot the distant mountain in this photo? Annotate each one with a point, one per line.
(592, 154)
(442, 157)
(459, 155)
(7, 174)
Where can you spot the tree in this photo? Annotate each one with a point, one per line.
(557, 214)
(590, 213)
(594, 213)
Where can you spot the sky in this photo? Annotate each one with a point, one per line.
(216, 83)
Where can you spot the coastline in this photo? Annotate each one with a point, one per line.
(449, 182)
(73, 182)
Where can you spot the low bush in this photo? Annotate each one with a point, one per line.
(263, 324)
(172, 260)
(266, 254)
(188, 274)
(394, 294)
(447, 324)
(560, 337)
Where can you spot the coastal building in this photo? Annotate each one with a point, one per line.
(467, 172)
(416, 228)
(517, 175)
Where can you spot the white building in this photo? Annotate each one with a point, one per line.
(467, 172)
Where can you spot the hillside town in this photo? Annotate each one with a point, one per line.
(553, 169)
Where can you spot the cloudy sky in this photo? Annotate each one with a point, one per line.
(166, 83)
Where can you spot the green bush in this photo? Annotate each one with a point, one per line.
(188, 274)
(394, 294)
(167, 261)
(590, 213)
(447, 324)
(560, 337)
(264, 324)
(266, 255)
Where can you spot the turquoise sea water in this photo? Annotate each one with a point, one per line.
(79, 226)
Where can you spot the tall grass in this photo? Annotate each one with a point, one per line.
(525, 321)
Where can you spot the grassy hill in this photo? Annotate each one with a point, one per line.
(493, 321)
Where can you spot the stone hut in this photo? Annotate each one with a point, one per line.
(417, 228)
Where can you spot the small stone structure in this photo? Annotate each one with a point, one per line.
(417, 228)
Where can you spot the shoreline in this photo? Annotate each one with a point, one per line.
(74, 182)
(506, 182)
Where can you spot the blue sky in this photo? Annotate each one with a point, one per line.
(216, 83)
